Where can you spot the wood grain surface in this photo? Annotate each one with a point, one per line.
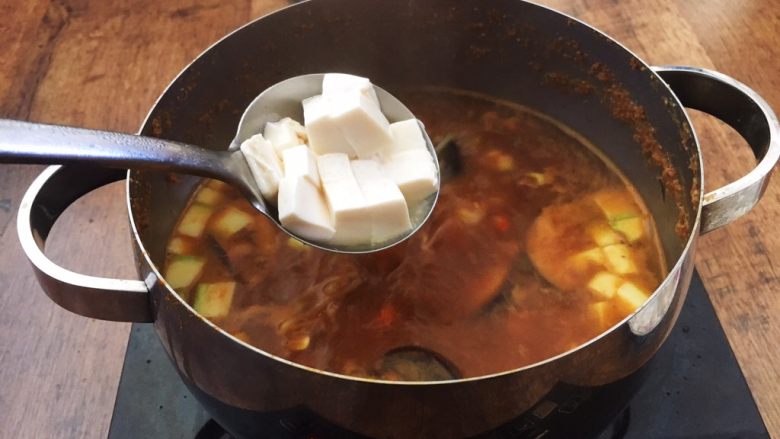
(102, 64)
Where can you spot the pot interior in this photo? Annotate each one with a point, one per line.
(507, 49)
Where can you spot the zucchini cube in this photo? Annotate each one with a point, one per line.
(183, 271)
(214, 300)
(194, 221)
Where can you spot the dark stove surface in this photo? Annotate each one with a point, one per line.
(694, 389)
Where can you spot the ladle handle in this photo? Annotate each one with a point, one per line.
(35, 143)
(744, 110)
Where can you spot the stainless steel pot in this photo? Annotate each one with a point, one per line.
(505, 48)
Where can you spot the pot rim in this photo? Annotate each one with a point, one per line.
(677, 267)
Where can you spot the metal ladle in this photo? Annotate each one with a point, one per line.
(34, 143)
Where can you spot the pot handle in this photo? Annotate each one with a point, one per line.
(49, 195)
(744, 110)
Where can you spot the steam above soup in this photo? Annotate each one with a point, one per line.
(536, 246)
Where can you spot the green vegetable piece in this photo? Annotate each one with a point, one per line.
(183, 271)
(216, 184)
(177, 246)
(230, 221)
(471, 215)
(616, 205)
(194, 221)
(632, 228)
(208, 196)
(296, 244)
(214, 300)
(537, 177)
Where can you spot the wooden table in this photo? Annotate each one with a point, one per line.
(102, 64)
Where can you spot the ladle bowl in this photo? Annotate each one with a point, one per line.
(35, 143)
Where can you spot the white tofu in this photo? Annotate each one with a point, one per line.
(323, 133)
(348, 207)
(413, 171)
(385, 203)
(302, 209)
(361, 122)
(264, 164)
(284, 134)
(407, 136)
(299, 161)
(334, 83)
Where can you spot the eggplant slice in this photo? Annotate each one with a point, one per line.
(413, 363)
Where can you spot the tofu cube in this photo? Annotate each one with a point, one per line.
(603, 235)
(335, 83)
(602, 313)
(348, 207)
(604, 285)
(385, 204)
(361, 122)
(284, 134)
(265, 165)
(407, 136)
(413, 172)
(586, 258)
(620, 259)
(323, 133)
(302, 209)
(299, 161)
(630, 296)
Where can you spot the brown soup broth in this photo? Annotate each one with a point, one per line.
(466, 286)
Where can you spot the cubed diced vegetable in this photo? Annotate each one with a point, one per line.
(214, 300)
(583, 259)
(217, 185)
(616, 205)
(295, 243)
(620, 259)
(471, 215)
(537, 177)
(604, 285)
(183, 271)
(180, 245)
(631, 296)
(632, 228)
(208, 196)
(601, 313)
(230, 221)
(194, 220)
(298, 342)
(603, 235)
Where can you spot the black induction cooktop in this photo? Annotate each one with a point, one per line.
(693, 389)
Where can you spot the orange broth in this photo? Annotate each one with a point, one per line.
(495, 280)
